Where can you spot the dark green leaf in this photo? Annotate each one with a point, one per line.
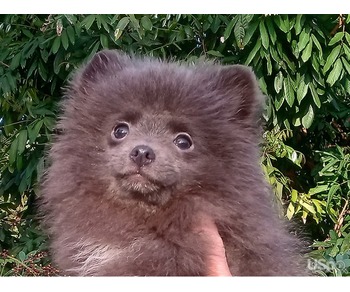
(56, 45)
(249, 32)
(264, 35)
(42, 71)
(104, 41)
(22, 141)
(88, 21)
(64, 39)
(15, 61)
(71, 34)
(228, 30)
(253, 52)
(215, 53)
(13, 151)
(271, 30)
(33, 131)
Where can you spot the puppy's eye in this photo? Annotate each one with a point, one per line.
(120, 131)
(183, 141)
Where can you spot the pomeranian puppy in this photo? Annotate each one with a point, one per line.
(146, 145)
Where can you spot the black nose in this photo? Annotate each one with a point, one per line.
(142, 155)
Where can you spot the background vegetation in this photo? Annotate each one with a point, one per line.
(303, 66)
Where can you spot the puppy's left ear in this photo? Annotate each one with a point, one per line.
(239, 86)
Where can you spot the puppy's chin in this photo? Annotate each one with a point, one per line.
(138, 183)
(139, 187)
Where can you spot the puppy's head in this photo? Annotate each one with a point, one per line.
(149, 130)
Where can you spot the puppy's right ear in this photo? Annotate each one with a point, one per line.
(106, 62)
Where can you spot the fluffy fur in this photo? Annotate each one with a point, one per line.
(106, 215)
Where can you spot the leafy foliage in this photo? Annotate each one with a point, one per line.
(303, 67)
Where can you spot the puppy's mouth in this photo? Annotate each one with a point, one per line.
(139, 182)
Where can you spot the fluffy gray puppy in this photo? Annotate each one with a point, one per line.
(147, 145)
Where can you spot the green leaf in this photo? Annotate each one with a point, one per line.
(22, 256)
(302, 90)
(71, 34)
(253, 52)
(13, 151)
(307, 52)
(264, 35)
(120, 27)
(42, 71)
(281, 24)
(88, 21)
(228, 30)
(56, 45)
(347, 37)
(215, 53)
(104, 41)
(318, 45)
(134, 21)
(346, 51)
(249, 32)
(346, 65)
(315, 95)
(337, 37)
(331, 59)
(288, 91)
(271, 30)
(278, 101)
(33, 131)
(304, 39)
(298, 24)
(123, 23)
(290, 211)
(308, 207)
(335, 73)
(146, 23)
(308, 118)
(333, 189)
(22, 141)
(64, 39)
(15, 61)
(278, 82)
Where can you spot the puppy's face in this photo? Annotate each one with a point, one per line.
(150, 156)
(151, 130)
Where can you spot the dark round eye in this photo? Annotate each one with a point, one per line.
(183, 141)
(120, 131)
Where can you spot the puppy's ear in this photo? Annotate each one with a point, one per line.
(240, 89)
(106, 62)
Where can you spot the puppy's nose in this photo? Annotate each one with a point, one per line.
(142, 155)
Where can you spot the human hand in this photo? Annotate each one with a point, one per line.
(216, 258)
